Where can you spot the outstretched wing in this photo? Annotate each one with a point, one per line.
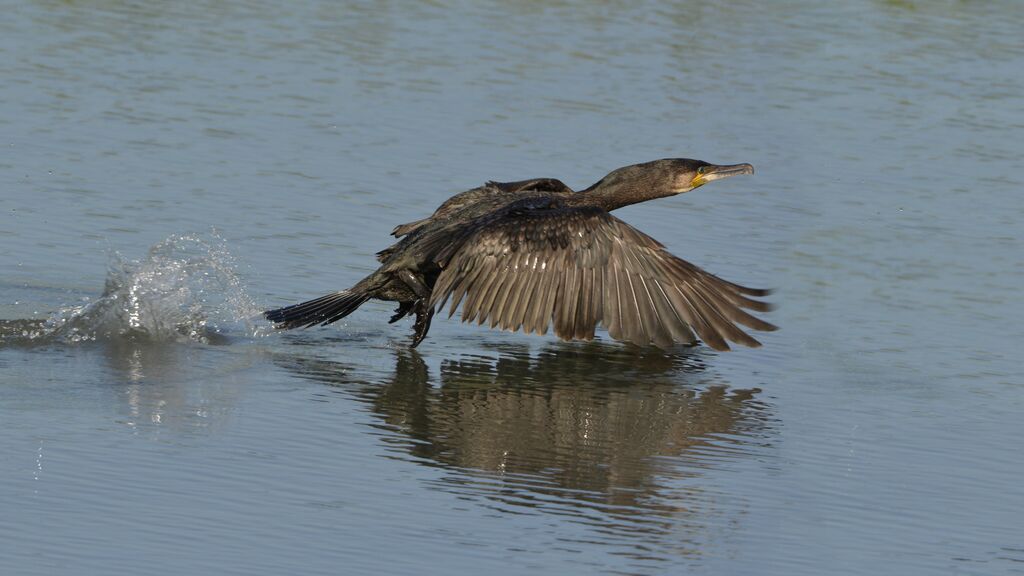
(576, 267)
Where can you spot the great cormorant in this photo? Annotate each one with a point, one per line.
(529, 254)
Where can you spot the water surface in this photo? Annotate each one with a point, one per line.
(170, 170)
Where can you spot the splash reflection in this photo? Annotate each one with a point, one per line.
(174, 386)
(614, 438)
(146, 326)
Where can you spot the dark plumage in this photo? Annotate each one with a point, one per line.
(529, 254)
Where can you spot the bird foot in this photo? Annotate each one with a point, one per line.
(424, 313)
(401, 312)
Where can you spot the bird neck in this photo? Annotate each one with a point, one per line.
(611, 196)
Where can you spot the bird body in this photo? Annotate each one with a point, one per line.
(531, 254)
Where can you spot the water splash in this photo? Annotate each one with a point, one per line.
(187, 289)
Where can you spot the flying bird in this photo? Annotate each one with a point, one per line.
(535, 254)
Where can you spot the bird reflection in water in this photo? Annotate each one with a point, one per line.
(614, 436)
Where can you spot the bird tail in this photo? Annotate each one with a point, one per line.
(323, 310)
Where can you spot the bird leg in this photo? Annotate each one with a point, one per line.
(414, 283)
(424, 312)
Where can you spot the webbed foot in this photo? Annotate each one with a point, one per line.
(403, 310)
(424, 313)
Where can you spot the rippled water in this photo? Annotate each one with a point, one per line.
(168, 170)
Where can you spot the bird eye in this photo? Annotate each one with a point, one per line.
(700, 170)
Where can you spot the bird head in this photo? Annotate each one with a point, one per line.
(671, 175)
(690, 174)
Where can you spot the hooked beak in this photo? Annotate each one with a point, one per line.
(711, 173)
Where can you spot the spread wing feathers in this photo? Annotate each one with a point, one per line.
(577, 267)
